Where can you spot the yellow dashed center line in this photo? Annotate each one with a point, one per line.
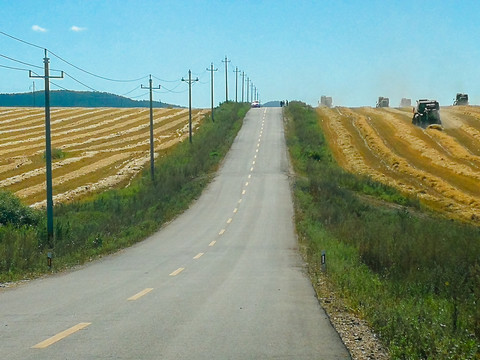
(239, 201)
(176, 272)
(140, 294)
(60, 336)
(220, 233)
(246, 184)
(243, 192)
(251, 169)
(198, 256)
(249, 176)
(235, 210)
(229, 221)
(212, 243)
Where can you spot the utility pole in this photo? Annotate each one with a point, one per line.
(251, 92)
(236, 71)
(190, 81)
(48, 147)
(226, 77)
(243, 84)
(152, 154)
(247, 88)
(211, 85)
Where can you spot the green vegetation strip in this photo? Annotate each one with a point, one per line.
(413, 275)
(116, 218)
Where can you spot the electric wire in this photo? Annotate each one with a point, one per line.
(136, 97)
(13, 68)
(58, 86)
(167, 90)
(163, 80)
(95, 75)
(21, 62)
(78, 81)
(173, 89)
(65, 61)
(136, 87)
(23, 41)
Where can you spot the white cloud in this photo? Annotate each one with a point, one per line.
(38, 28)
(77, 28)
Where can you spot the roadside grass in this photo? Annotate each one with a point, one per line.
(117, 218)
(413, 275)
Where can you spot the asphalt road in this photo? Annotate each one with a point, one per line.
(222, 281)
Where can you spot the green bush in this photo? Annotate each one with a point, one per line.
(56, 154)
(13, 212)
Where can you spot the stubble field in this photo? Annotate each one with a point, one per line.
(101, 148)
(441, 168)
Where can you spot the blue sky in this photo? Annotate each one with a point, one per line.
(352, 50)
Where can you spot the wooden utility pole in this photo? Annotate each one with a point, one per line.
(48, 147)
(190, 81)
(243, 85)
(236, 71)
(226, 61)
(152, 146)
(211, 85)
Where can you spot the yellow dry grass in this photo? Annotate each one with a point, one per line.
(441, 168)
(106, 147)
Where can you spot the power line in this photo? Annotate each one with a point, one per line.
(23, 41)
(21, 62)
(172, 90)
(163, 80)
(65, 61)
(95, 75)
(78, 81)
(136, 87)
(12, 68)
(58, 86)
(138, 96)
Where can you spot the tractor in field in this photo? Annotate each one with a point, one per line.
(405, 102)
(461, 99)
(427, 114)
(383, 102)
(326, 101)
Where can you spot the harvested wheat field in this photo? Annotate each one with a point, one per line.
(441, 168)
(103, 148)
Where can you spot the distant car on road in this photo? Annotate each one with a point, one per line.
(255, 104)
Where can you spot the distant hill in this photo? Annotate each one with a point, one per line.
(66, 98)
